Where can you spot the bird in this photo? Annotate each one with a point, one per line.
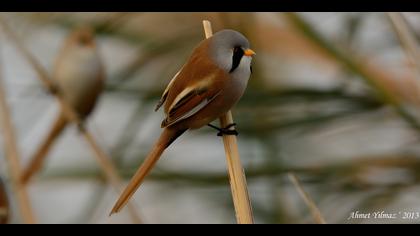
(207, 86)
(78, 74)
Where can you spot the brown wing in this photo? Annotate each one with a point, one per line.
(85, 108)
(165, 93)
(188, 105)
(196, 85)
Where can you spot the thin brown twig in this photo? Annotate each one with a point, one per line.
(236, 173)
(316, 213)
(408, 42)
(406, 37)
(102, 158)
(113, 177)
(13, 158)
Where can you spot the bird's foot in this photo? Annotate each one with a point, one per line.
(226, 130)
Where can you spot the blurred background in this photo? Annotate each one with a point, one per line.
(333, 98)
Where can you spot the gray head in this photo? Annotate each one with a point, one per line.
(230, 50)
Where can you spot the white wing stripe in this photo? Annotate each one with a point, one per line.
(197, 86)
(196, 109)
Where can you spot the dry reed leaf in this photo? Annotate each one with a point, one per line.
(4, 205)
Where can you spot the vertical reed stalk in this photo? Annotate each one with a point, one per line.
(316, 213)
(236, 173)
(13, 158)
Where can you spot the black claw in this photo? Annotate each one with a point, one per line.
(226, 130)
(230, 126)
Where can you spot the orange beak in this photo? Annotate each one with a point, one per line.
(249, 52)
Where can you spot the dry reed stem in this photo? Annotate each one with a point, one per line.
(13, 158)
(237, 178)
(408, 42)
(4, 205)
(102, 158)
(316, 213)
(112, 174)
(406, 37)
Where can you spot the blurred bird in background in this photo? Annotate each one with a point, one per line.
(79, 75)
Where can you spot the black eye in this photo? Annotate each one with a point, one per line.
(238, 53)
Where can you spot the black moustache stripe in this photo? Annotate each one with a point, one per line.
(238, 53)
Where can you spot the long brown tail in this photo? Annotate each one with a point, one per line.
(38, 158)
(166, 138)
